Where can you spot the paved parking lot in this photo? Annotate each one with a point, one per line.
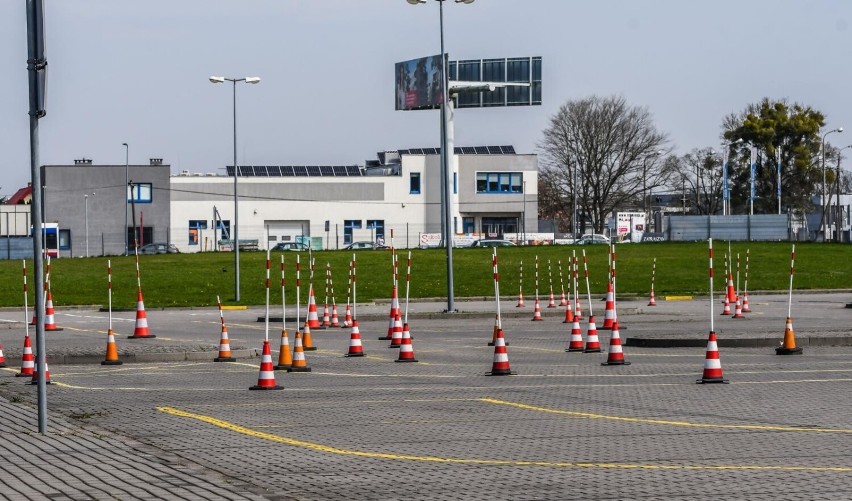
(564, 427)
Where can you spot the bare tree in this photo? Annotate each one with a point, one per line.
(699, 175)
(611, 145)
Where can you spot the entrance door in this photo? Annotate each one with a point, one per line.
(495, 227)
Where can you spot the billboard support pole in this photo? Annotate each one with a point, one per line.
(446, 124)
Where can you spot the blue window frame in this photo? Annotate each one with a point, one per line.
(414, 183)
(378, 226)
(194, 227)
(348, 226)
(141, 194)
(499, 182)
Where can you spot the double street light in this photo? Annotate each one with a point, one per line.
(446, 174)
(235, 229)
(822, 219)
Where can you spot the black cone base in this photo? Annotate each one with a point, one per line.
(225, 359)
(282, 367)
(112, 362)
(384, 338)
(276, 387)
(142, 337)
(355, 354)
(622, 362)
(298, 369)
(711, 380)
(310, 348)
(501, 373)
(54, 329)
(407, 360)
(789, 351)
(592, 350)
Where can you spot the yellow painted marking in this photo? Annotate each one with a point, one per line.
(666, 422)
(497, 462)
(234, 307)
(678, 298)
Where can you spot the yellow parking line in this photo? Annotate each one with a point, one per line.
(497, 462)
(666, 422)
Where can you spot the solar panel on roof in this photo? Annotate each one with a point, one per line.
(481, 150)
(260, 171)
(314, 170)
(467, 150)
(300, 170)
(327, 170)
(229, 170)
(246, 170)
(339, 170)
(508, 150)
(273, 170)
(286, 170)
(353, 170)
(494, 150)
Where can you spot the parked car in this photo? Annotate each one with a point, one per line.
(158, 248)
(290, 246)
(365, 246)
(592, 239)
(489, 242)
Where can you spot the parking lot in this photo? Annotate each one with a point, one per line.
(563, 427)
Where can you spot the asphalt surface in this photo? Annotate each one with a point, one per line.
(563, 427)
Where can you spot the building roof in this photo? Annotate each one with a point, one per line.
(22, 196)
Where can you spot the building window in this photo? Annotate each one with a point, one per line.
(141, 193)
(455, 183)
(378, 228)
(225, 227)
(64, 240)
(194, 227)
(348, 226)
(414, 183)
(499, 182)
(468, 225)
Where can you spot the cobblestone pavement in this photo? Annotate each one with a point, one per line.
(564, 427)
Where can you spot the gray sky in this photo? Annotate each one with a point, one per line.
(136, 71)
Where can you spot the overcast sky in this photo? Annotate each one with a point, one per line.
(136, 71)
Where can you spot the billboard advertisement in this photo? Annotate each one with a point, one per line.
(632, 224)
(418, 83)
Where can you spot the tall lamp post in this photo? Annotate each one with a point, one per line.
(446, 174)
(822, 221)
(86, 198)
(235, 229)
(126, 183)
(726, 192)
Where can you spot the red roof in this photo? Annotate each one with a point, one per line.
(22, 196)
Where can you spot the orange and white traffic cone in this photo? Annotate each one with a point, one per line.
(307, 340)
(355, 347)
(726, 308)
(731, 291)
(49, 314)
(500, 365)
(224, 347)
(712, 364)
(266, 378)
(141, 331)
(593, 344)
(569, 315)
(537, 312)
(576, 340)
(652, 301)
(494, 330)
(300, 364)
(111, 357)
(394, 310)
(578, 308)
(396, 336)
(27, 359)
(347, 318)
(520, 299)
(34, 380)
(313, 317)
(609, 314)
(615, 355)
(326, 316)
(788, 346)
(746, 309)
(406, 349)
(335, 321)
(2, 357)
(551, 303)
(738, 310)
(285, 358)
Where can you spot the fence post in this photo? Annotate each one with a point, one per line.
(748, 226)
(709, 228)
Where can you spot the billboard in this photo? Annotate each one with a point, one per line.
(632, 223)
(418, 83)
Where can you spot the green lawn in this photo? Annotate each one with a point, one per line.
(196, 279)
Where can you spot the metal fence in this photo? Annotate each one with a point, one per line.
(758, 227)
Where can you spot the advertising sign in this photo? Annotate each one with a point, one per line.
(418, 83)
(632, 223)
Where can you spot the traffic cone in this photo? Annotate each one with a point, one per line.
(335, 321)
(712, 364)
(307, 341)
(406, 349)
(609, 314)
(615, 355)
(27, 359)
(313, 318)
(111, 350)
(393, 311)
(569, 315)
(563, 301)
(34, 379)
(285, 358)
(396, 336)
(746, 309)
(326, 316)
(266, 378)
(537, 312)
(652, 301)
(347, 319)
(593, 344)
(726, 308)
(788, 347)
(576, 342)
(520, 299)
(224, 347)
(2, 357)
(732, 293)
(141, 330)
(49, 314)
(552, 302)
(500, 366)
(578, 309)
(494, 331)
(355, 348)
(738, 310)
(299, 363)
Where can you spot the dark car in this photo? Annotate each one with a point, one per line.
(290, 246)
(158, 248)
(488, 242)
(592, 239)
(364, 246)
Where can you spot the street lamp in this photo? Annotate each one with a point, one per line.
(126, 183)
(726, 194)
(235, 229)
(86, 198)
(525, 212)
(822, 220)
(446, 175)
